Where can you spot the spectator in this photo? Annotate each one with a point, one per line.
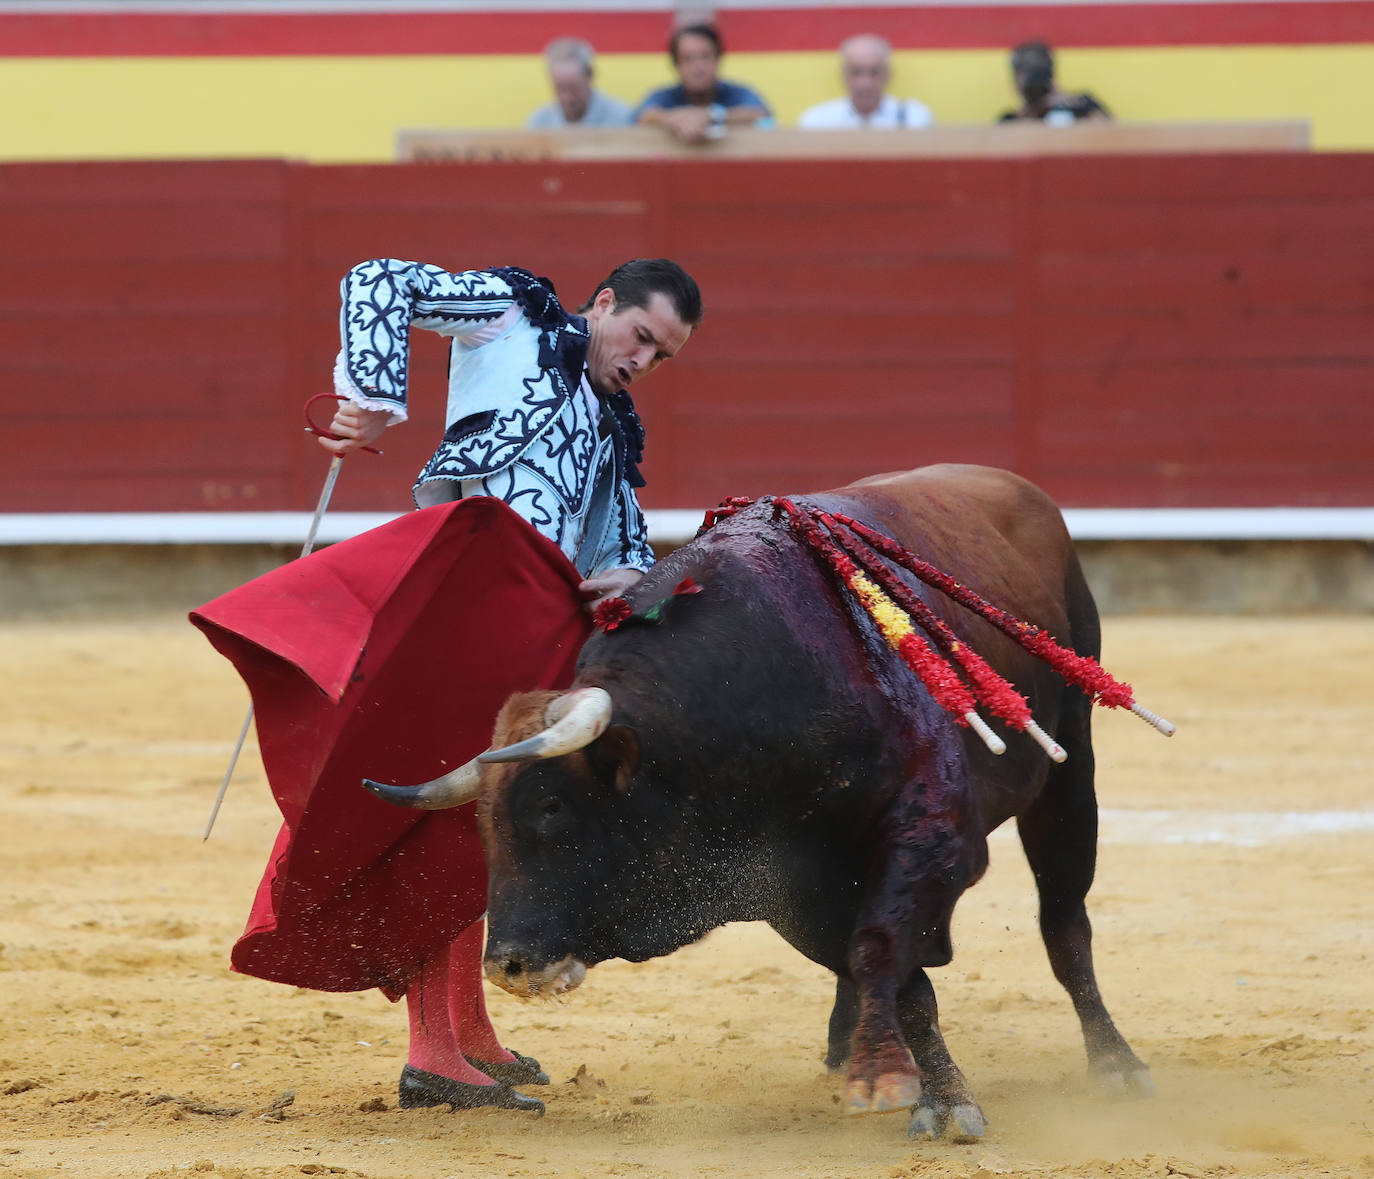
(1032, 73)
(866, 68)
(702, 105)
(570, 63)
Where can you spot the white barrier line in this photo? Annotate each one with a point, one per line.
(666, 526)
(475, 7)
(1232, 828)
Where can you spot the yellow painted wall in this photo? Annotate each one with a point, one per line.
(348, 109)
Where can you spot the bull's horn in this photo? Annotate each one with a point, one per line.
(575, 719)
(453, 789)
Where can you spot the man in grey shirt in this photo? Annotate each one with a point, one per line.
(570, 63)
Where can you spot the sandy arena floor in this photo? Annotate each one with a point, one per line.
(1233, 910)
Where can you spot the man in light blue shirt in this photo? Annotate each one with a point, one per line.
(571, 63)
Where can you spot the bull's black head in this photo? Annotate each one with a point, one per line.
(590, 856)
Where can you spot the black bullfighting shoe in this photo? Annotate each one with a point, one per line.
(523, 1070)
(419, 1088)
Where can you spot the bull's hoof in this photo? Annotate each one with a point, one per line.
(1140, 1084)
(925, 1123)
(964, 1122)
(889, 1092)
(1135, 1082)
(836, 1061)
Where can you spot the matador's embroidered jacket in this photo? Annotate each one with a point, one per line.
(522, 424)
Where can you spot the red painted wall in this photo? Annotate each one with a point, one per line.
(1182, 331)
(945, 24)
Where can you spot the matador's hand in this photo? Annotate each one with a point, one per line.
(356, 428)
(610, 584)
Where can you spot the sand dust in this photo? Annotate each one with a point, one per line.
(1234, 948)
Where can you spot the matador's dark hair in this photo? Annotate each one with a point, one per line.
(635, 282)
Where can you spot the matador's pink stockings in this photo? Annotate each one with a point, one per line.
(448, 1013)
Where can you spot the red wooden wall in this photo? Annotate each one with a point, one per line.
(1182, 331)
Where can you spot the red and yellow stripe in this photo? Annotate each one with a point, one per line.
(391, 30)
(335, 84)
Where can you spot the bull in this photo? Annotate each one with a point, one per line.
(757, 752)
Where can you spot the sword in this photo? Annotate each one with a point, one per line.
(326, 491)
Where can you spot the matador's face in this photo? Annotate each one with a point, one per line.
(628, 343)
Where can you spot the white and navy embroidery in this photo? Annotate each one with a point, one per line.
(531, 439)
(382, 298)
(476, 454)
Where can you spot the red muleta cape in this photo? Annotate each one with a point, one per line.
(386, 656)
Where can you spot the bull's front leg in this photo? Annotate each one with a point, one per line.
(924, 863)
(947, 1105)
(882, 1073)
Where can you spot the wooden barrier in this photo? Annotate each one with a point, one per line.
(419, 145)
(1128, 331)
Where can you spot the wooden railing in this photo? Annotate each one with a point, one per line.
(999, 140)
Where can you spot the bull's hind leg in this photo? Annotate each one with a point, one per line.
(1059, 834)
(844, 1018)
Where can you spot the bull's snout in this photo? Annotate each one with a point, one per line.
(515, 971)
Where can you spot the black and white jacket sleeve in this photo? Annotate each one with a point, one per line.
(379, 302)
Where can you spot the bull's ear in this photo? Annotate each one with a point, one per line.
(614, 756)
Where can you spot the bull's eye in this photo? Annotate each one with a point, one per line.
(551, 807)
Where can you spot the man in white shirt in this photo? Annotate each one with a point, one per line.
(866, 67)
